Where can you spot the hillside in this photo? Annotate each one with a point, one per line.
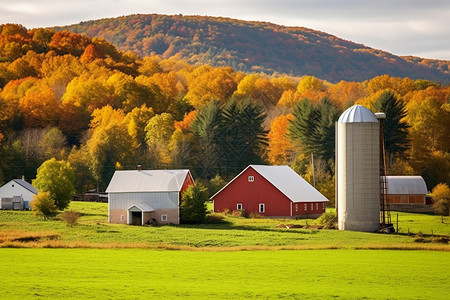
(257, 47)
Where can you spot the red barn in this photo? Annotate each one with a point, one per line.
(272, 191)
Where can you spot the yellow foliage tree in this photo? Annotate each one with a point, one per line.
(441, 200)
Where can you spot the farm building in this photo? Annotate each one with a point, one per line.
(408, 193)
(139, 197)
(17, 194)
(272, 191)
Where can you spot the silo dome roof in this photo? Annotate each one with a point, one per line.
(357, 114)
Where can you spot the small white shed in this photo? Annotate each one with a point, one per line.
(17, 189)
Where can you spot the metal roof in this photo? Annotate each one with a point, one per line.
(287, 182)
(26, 185)
(406, 185)
(147, 181)
(357, 114)
(142, 207)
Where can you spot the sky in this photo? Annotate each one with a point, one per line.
(401, 27)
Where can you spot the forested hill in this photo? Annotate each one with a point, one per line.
(257, 47)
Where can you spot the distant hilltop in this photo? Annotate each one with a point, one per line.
(257, 47)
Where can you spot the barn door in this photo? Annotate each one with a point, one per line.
(136, 218)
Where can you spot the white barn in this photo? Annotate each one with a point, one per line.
(139, 197)
(17, 194)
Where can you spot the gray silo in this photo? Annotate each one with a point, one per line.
(358, 170)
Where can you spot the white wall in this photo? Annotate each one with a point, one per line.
(161, 200)
(12, 189)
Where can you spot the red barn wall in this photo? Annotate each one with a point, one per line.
(251, 194)
(188, 181)
(406, 199)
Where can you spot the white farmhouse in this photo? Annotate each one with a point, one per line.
(139, 197)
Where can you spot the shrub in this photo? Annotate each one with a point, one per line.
(44, 205)
(215, 219)
(239, 213)
(254, 215)
(70, 217)
(328, 220)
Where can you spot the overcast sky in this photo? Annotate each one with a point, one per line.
(402, 27)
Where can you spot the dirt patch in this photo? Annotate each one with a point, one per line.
(24, 237)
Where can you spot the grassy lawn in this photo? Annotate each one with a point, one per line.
(143, 273)
(98, 260)
(22, 229)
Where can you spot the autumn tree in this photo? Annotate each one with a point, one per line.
(214, 83)
(395, 127)
(441, 200)
(345, 93)
(110, 145)
(80, 160)
(53, 144)
(430, 146)
(385, 82)
(89, 93)
(64, 42)
(159, 131)
(312, 88)
(40, 106)
(56, 177)
(136, 120)
(127, 93)
(280, 148)
(150, 66)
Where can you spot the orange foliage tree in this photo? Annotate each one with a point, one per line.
(280, 148)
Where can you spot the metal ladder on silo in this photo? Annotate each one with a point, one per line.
(385, 212)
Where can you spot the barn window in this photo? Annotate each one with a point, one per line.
(251, 178)
(323, 206)
(122, 218)
(306, 207)
(261, 207)
(164, 218)
(312, 206)
(296, 207)
(239, 206)
(317, 206)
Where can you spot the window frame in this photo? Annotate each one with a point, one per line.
(263, 206)
(239, 204)
(164, 218)
(251, 178)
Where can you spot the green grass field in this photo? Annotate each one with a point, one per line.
(22, 229)
(98, 260)
(145, 274)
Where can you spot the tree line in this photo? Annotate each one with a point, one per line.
(83, 102)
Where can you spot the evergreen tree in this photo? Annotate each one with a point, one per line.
(243, 137)
(313, 127)
(395, 127)
(207, 131)
(193, 205)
